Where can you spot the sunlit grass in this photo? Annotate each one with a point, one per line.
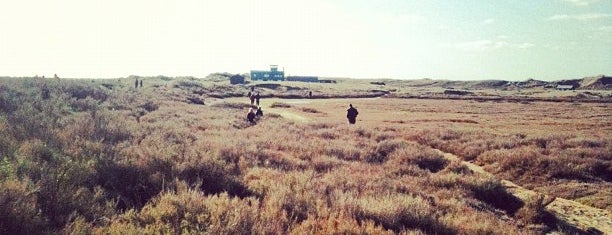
(101, 157)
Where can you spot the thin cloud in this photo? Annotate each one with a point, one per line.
(581, 2)
(502, 37)
(525, 45)
(488, 45)
(487, 21)
(480, 45)
(581, 17)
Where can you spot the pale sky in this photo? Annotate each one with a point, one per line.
(403, 39)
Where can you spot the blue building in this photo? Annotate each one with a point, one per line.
(273, 74)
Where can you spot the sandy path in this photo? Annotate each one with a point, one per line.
(567, 211)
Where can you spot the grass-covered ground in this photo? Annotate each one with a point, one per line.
(103, 157)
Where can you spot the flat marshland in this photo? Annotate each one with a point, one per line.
(178, 157)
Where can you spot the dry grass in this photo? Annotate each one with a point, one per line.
(81, 157)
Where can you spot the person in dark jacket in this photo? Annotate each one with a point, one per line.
(251, 116)
(351, 114)
(257, 97)
(259, 112)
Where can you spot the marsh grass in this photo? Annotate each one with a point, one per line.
(80, 157)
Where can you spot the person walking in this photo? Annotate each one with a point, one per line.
(257, 97)
(351, 114)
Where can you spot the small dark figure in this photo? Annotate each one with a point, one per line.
(310, 94)
(136, 84)
(249, 94)
(251, 116)
(259, 112)
(351, 114)
(252, 88)
(46, 94)
(252, 97)
(140, 83)
(257, 97)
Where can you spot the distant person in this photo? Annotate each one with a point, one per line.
(310, 94)
(136, 84)
(251, 116)
(252, 97)
(249, 94)
(259, 112)
(257, 97)
(140, 83)
(46, 93)
(351, 114)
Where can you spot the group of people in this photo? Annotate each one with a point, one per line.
(253, 114)
(254, 97)
(136, 83)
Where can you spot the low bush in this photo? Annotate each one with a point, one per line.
(149, 106)
(340, 225)
(494, 193)
(280, 105)
(384, 149)
(310, 110)
(81, 90)
(186, 211)
(230, 105)
(400, 212)
(423, 157)
(19, 206)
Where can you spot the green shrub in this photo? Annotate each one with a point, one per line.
(80, 90)
(149, 106)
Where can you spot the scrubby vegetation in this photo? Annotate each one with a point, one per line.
(79, 157)
(550, 162)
